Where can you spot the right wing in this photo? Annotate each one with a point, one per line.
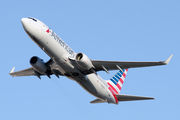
(115, 65)
(122, 97)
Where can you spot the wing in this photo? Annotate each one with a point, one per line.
(121, 97)
(114, 65)
(52, 67)
(26, 72)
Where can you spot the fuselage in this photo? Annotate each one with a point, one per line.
(61, 54)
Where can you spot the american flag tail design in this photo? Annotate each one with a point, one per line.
(116, 82)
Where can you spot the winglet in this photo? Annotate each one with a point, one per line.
(167, 61)
(12, 70)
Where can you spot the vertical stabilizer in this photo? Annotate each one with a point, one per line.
(116, 82)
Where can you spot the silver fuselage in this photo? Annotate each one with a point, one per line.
(61, 54)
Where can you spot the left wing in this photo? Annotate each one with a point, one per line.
(114, 65)
(51, 65)
(26, 72)
(122, 97)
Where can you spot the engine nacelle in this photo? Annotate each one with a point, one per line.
(83, 61)
(38, 64)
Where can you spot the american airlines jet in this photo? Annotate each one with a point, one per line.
(77, 66)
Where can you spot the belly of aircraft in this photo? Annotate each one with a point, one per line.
(94, 86)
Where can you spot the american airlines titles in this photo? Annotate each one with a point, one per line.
(63, 44)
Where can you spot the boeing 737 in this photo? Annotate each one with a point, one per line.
(77, 66)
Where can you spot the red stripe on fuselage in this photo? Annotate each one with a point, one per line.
(115, 98)
(114, 90)
(113, 93)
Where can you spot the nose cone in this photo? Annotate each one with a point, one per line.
(24, 22)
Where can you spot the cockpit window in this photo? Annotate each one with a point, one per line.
(32, 19)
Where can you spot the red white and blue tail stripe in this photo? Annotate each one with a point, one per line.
(116, 82)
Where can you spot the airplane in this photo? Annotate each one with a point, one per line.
(77, 66)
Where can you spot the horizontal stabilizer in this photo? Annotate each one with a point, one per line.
(121, 97)
(98, 101)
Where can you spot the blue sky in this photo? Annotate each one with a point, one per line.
(103, 30)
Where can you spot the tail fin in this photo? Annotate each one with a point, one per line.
(116, 82)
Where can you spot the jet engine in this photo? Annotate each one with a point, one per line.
(38, 64)
(83, 61)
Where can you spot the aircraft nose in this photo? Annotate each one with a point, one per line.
(24, 22)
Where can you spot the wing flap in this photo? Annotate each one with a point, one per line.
(122, 97)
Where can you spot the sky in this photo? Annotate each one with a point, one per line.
(141, 30)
